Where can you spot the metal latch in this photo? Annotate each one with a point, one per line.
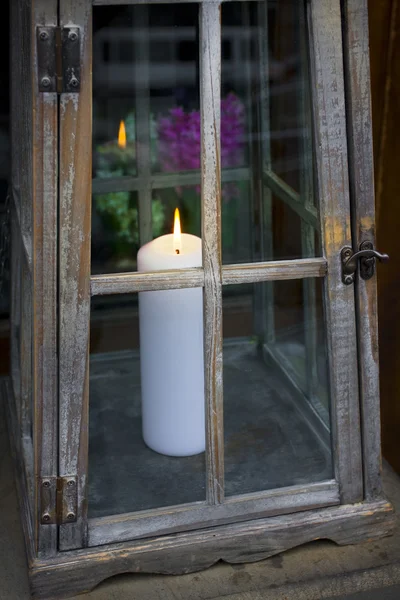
(58, 59)
(367, 257)
(58, 500)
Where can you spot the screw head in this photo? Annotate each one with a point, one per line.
(46, 518)
(71, 483)
(43, 36)
(45, 82)
(46, 484)
(70, 516)
(73, 82)
(348, 279)
(72, 36)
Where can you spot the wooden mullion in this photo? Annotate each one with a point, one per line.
(210, 110)
(44, 251)
(292, 198)
(267, 242)
(200, 515)
(74, 273)
(359, 118)
(160, 181)
(274, 271)
(142, 121)
(128, 283)
(333, 190)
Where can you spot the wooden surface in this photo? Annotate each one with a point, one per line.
(332, 167)
(279, 270)
(45, 293)
(193, 551)
(210, 112)
(359, 127)
(74, 272)
(384, 18)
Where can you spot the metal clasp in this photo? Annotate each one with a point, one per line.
(367, 257)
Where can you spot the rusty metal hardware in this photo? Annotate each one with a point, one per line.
(59, 500)
(58, 59)
(367, 257)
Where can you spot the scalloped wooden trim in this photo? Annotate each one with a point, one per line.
(81, 570)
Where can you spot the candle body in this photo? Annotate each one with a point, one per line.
(171, 353)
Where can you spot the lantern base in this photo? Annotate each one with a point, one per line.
(73, 572)
(70, 573)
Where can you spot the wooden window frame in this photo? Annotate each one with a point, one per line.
(76, 286)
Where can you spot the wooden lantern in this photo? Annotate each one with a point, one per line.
(292, 431)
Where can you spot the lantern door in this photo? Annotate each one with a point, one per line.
(211, 375)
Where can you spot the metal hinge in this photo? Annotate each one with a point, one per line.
(58, 500)
(58, 59)
(365, 257)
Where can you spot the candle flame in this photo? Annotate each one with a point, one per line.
(122, 135)
(177, 232)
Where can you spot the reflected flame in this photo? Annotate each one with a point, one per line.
(122, 135)
(177, 232)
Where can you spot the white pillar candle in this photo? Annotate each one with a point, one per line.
(171, 351)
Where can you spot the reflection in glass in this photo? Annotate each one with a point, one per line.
(146, 130)
(125, 475)
(276, 391)
(146, 126)
(265, 67)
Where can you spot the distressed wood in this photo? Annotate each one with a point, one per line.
(125, 527)
(292, 198)
(45, 200)
(24, 476)
(26, 351)
(210, 110)
(127, 283)
(358, 104)
(193, 551)
(15, 309)
(333, 191)
(274, 271)
(74, 273)
(160, 181)
(142, 105)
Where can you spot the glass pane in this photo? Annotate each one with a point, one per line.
(266, 132)
(276, 391)
(146, 128)
(115, 225)
(146, 402)
(292, 237)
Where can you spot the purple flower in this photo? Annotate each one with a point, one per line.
(180, 141)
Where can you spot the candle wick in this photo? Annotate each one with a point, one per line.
(177, 251)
